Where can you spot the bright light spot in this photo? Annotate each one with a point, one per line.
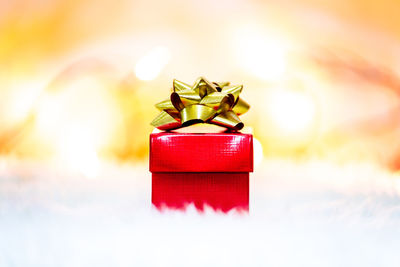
(291, 111)
(76, 122)
(260, 54)
(85, 102)
(258, 152)
(78, 152)
(48, 113)
(151, 64)
(22, 100)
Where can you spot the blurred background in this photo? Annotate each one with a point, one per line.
(79, 79)
(78, 84)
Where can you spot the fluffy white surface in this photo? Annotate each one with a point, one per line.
(302, 214)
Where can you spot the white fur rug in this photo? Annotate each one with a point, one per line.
(302, 214)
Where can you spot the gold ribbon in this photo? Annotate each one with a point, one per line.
(204, 102)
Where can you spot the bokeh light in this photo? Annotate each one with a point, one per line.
(150, 65)
(78, 84)
(292, 111)
(65, 72)
(259, 53)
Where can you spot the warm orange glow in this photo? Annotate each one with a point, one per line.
(99, 73)
(22, 98)
(77, 122)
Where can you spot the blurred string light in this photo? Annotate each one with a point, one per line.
(259, 53)
(150, 65)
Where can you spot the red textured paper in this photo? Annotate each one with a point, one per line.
(194, 152)
(220, 191)
(202, 169)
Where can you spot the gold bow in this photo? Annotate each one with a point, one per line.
(204, 102)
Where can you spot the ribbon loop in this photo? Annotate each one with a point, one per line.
(177, 102)
(229, 120)
(180, 86)
(196, 114)
(204, 102)
(165, 121)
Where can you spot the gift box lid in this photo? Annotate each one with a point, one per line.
(201, 152)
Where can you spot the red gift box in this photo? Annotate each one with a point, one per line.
(202, 169)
